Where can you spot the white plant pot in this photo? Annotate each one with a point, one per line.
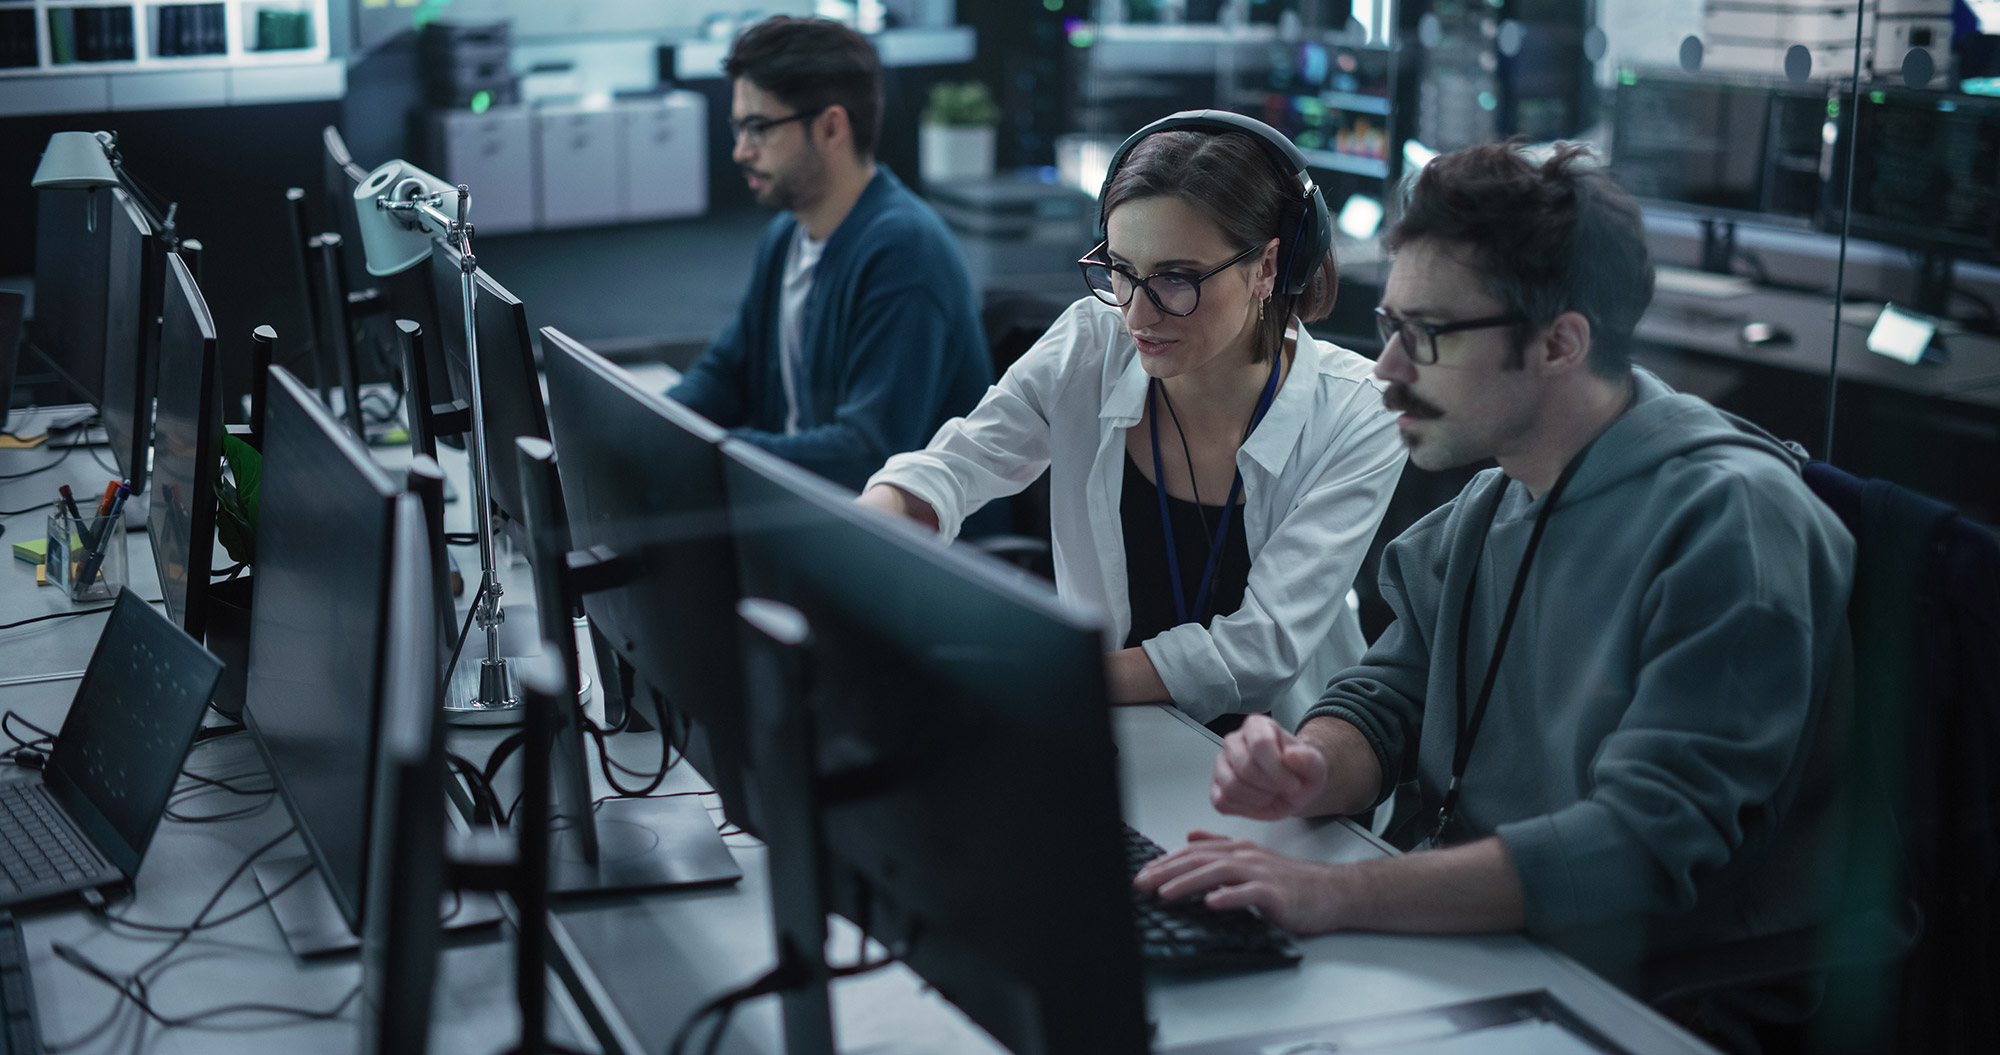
(947, 153)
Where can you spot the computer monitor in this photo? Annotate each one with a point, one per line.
(967, 780)
(642, 478)
(72, 244)
(187, 451)
(1926, 173)
(12, 305)
(326, 512)
(402, 938)
(135, 283)
(508, 383)
(1331, 100)
(1721, 149)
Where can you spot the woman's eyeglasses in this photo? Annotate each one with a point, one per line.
(1175, 294)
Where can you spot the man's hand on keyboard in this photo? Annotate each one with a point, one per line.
(1297, 896)
(1265, 773)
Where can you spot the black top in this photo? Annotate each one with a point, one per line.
(1149, 587)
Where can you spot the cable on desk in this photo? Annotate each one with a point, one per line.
(787, 975)
(486, 804)
(60, 458)
(53, 615)
(444, 687)
(50, 504)
(101, 463)
(133, 987)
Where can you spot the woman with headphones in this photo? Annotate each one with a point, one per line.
(1216, 472)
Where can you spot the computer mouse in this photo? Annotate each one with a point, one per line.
(1764, 335)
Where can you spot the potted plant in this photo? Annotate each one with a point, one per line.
(228, 635)
(956, 133)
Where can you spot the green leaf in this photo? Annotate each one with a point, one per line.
(236, 499)
(960, 103)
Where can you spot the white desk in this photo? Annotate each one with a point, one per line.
(649, 962)
(245, 960)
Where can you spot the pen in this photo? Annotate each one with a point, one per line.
(69, 505)
(86, 573)
(96, 527)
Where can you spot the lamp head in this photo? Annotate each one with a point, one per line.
(79, 160)
(395, 240)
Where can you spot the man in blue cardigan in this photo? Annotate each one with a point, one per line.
(860, 332)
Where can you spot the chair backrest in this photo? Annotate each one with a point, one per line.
(1925, 614)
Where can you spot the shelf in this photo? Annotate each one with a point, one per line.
(200, 42)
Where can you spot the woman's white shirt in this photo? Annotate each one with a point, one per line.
(1317, 476)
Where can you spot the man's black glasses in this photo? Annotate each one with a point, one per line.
(1172, 293)
(1425, 352)
(755, 127)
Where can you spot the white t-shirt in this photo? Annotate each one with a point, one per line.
(800, 262)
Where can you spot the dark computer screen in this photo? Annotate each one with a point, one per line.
(402, 937)
(323, 568)
(120, 750)
(187, 450)
(1728, 149)
(960, 708)
(1926, 173)
(72, 241)
(641, 476)
(134, 284)
(508, 382)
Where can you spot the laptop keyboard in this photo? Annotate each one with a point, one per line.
(37, 845)
(1190, 936)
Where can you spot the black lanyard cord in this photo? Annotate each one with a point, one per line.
(1469, 725)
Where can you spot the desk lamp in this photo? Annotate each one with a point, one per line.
(399, 208)
(89, 160)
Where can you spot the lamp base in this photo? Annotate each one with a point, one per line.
(489, 695)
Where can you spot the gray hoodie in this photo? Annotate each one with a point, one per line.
(1653, 753)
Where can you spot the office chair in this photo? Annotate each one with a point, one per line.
(1912, 955)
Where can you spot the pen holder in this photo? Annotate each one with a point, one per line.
(87, 567)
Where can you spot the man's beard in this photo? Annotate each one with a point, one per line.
(800, 186)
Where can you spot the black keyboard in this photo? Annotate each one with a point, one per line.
(1189, 936)
(20, 1033)
(37, 847)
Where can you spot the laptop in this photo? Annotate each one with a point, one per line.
(84, 822)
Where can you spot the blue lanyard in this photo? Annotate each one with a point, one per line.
(1221, 529)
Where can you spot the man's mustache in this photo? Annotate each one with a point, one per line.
(1400, 399)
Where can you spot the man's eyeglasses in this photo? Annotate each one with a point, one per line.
(754, 128)
(1175, 294)
(1420, 339)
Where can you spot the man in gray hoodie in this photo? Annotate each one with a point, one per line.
(1608, 675)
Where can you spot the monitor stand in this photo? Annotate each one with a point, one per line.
(644, 844)
(311, 920)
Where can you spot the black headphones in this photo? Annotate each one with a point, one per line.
(1305, 230)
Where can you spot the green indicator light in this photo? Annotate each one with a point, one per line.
(481, 102)
(1082, 38)
(1627, 77)
(1052, 5)
(1833, 108)
(1488, 102)
(1877, 97)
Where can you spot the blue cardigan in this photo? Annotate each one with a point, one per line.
(892, 341)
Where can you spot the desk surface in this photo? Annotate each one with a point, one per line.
(639, 966)
(244, 960)
(651, 961)
(1711, 326)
